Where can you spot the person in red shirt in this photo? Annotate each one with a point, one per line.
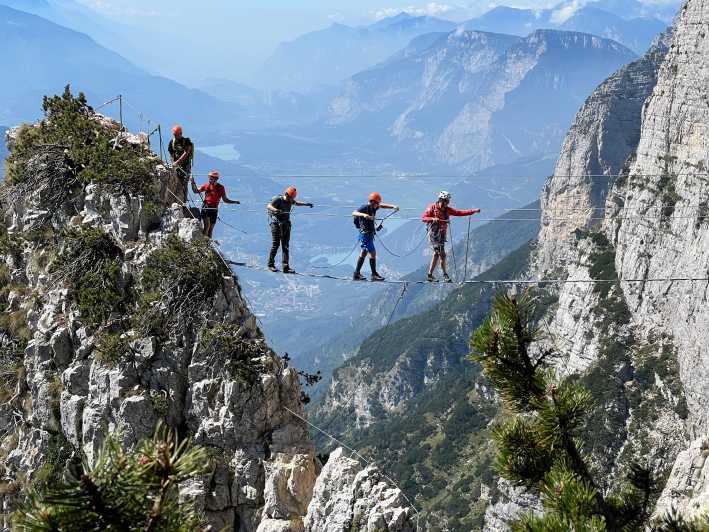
(214, 193)
(437, 216)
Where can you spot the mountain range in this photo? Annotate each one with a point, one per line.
(636, 33)
(472, 99)
(310, 60)
(41, 57)
(330, 55)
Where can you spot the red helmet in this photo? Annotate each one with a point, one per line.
(214, 174)
(177, 130)
(375, 196)
(291, 192)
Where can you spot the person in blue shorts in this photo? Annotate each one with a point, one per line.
(364, 221)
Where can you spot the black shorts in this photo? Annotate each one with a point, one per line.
(209, 213)
(438, 242)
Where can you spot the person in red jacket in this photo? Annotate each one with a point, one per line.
(437, 216)
(214, 193)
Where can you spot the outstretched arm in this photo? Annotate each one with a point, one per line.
(303, 204)
(388, 206)
(227, 200)
(194, 187)
(466, 212)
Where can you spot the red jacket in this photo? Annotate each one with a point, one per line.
(433, 213)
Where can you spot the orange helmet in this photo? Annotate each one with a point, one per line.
(214, 174)
(375, 196)
(291, 192)
(177, 130)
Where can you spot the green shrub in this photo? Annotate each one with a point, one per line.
(87, 146)
(90, 261)
(226, 351)
(178, 281)
(111, 347)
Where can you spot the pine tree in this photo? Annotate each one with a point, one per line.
(122, 491)
(539, 442)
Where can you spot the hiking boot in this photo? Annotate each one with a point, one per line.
(358, 277)
(272, 267)
(377, 277)
(288, 269)
(431, 279)
(447, 279)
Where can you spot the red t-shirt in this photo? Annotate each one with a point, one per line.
(433, 212)
(214, 194)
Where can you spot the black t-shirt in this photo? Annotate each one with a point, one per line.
(367, 226)
(284, 206)
(179, 146)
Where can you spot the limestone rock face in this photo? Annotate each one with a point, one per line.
(639, 225)
(605, 133)
(70, 397)
(347, 497)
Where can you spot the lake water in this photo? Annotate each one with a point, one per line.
(225, 152)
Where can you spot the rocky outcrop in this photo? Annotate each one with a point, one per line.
(80, 380)
(347, 497)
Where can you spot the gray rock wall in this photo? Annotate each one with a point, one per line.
(264, 467)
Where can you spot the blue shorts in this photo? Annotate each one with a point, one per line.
(366, 242)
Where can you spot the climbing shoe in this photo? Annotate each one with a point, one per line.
(447, 279)
(377, 277)
(272, 268)
(358, 277)
(431, 279)
(288, 269)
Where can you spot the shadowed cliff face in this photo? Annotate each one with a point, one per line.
(116, 314)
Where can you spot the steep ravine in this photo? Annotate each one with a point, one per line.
(115, 314)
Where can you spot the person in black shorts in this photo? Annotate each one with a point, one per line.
(214, 193)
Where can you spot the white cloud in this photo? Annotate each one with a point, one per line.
(432, 9)
(566, 11)
(336, 17)
(116, 10)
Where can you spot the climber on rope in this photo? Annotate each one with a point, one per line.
(181, 152)
(214, 192)
(364, 218)
(279, 214)
(437, 217)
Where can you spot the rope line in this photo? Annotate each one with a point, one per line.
(462, 177)
(467, 245)
(480, 281)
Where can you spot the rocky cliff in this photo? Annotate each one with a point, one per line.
(115, 314)
(639, 342)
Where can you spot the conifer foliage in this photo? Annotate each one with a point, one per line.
(539, 441)
(122, 491)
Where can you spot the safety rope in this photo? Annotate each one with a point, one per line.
(540, 282)
(452, 247)
(467, 245)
